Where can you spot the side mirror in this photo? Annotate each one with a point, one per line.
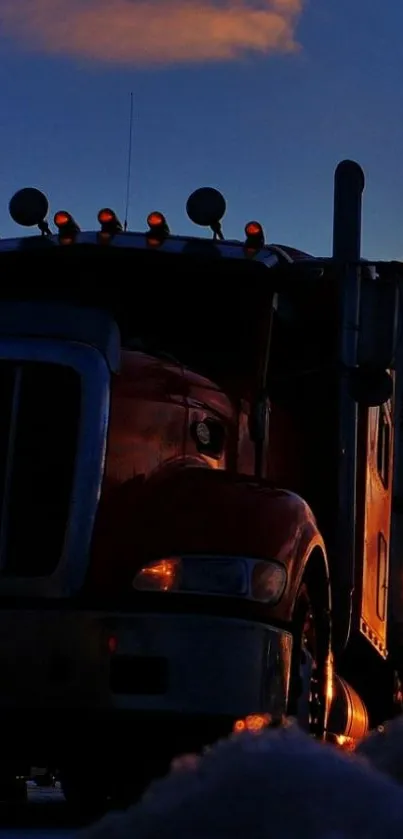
(259, 418)
(370, 388)
(379, 308)
(258, 430)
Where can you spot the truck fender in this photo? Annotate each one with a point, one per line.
(200, 510)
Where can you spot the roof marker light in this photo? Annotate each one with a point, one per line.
(65, 223)
(158, 229)
(109, 221)
(253, 228)
(255, 239)
(254, 232)
(157, 223)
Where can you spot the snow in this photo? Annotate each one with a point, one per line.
(278, 784)
(272, 785)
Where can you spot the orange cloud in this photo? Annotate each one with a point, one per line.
(149, 32)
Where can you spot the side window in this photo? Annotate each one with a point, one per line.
(382, 576)
(383, 447)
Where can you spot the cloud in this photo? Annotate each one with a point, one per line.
(152, 32)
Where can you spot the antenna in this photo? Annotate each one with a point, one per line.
(129, 162)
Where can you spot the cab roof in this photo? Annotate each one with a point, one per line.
(268, 255)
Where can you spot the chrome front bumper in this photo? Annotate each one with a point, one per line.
(141, 663)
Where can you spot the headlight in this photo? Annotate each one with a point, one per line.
(259, 580)
(158, 576)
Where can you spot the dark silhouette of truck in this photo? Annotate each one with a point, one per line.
(200, 489)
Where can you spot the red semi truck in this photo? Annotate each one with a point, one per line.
(199, 474)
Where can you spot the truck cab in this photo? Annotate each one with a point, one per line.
(189, 442)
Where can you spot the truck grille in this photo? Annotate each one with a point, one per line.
(39, 419)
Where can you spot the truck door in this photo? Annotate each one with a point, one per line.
(376, 504)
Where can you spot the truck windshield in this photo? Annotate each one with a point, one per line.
(211, 314)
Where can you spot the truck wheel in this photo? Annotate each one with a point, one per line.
(306, 696)
(85, 791)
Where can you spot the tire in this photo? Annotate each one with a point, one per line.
(307, 694)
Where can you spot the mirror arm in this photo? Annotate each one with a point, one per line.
(258, 430)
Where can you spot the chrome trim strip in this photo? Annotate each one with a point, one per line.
(138, 241)
(92, 367)
(284, 255)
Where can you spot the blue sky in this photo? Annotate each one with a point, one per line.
(259, 99)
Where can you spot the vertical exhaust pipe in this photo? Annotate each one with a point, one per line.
(349, 183)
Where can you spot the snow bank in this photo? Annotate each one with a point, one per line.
(278, 784)
(384, 749)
